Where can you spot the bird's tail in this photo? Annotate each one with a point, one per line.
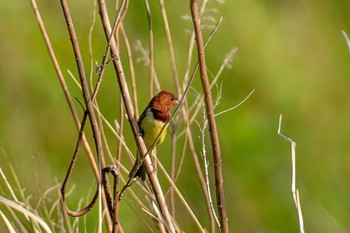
(141, 171)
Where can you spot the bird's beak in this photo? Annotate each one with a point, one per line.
(178, 102)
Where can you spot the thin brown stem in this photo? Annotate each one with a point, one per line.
(133, 121)
(170, 47)
(198, 167)
(64, 85)
(189, 138)
(191, 48)
(211, 119)
(132, 71)
(121, 128)
(151, 49)
(119, 19)
(184, 149)
(105, 60)
(173, 170)
(82, 76)
(107, 190)
(88, 103)
(113, 203)
(69, 173)
(92, 66)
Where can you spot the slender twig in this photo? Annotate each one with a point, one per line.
(116, 25)
(113, 202)
(121, 128)
(237, 105)
(151, 81)
(223, 65)
(88, 101)
(30, 214)
(202, 129)
(198, 169)
(132, 71)
(295, 191)
(172, 172)
(184, 151)
(211, 119)
(179, 93)
(137, 214)
(195, 71)
(92, 67)
(170, 47)
(182, 199)
(121, 108)
(124, 5)
(133, 121)
(69, 173)
(185, 114)
(108, 215)
(14, 198)
(86, 94)
(346, 39)
(107, 190)
(189, 138)
(151, 49)
(149, 150)
(109, 126)
(7, 184)
(64, 85)
(15, 216)
(188, 133)
(191, 47)
(182, 99)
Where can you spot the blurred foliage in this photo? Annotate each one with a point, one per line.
(291, 52)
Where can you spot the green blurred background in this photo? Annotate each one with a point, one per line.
(291, 52)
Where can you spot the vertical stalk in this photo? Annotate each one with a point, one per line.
(132, 118)
(211, 118)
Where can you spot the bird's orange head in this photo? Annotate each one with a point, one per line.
(163, 102)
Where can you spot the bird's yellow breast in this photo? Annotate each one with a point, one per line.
(151, 128)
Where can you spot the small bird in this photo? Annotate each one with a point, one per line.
(151, 122)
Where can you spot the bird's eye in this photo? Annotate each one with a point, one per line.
(172, 98)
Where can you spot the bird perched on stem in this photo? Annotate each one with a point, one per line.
(151, 123)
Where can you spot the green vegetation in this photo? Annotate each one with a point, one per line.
(291, 53)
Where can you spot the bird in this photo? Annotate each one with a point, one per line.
(151, 123)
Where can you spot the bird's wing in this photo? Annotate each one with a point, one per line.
(143, 115)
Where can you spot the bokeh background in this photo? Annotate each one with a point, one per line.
(292, 53)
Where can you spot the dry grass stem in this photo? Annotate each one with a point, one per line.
(237, 105)
(346, 39)
(133, 121)
(116, 131)
(170, 47)
(109, 195)
(151, 49)
(182, 199)
(202, 129)
(211, 119)
(37, 220)
(172, 171)
(8, 186)
(295, 191)
(131, 69)
(189, 138)
(63, 84)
